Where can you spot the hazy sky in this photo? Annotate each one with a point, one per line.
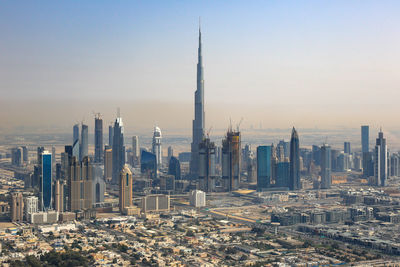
(281, 63)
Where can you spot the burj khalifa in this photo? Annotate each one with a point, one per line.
(199, 116)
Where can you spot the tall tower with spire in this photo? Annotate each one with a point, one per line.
(199, 116)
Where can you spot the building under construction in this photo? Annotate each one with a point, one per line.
(231, 148)
(207, 173)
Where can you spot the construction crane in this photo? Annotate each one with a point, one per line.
(208, 132)
(238, 125)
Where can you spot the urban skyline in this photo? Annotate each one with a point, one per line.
(285, 187)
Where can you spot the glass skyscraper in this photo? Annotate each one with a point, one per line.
(263, 167)
(84, 148)
(365, 138)
(98, 139)
(46, 183)
(118, 150)
(148, 164)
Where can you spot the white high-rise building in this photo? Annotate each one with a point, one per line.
(156, 147)
(197, 198)
(31, 206)
(135, 146)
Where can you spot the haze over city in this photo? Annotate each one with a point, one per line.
(310, 64)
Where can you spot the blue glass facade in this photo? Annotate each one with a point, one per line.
(148, 163)
(282, 174)
(46, 181)
(263, 167)
(174, 168)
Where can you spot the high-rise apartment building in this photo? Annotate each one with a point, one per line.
(80, 184)
(294, 180)
(98, 139)
(199, 116)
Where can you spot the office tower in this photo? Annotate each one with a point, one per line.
(326, 179)
(231, 148)
(264, 168)
(207, 165)
(334, 159)
(17, 207)
(84, 146)
(199, 116)
(98, 184)
(108, 163)
(316, 155)
(136, 150)
(75, 141)
(31, 207)
(368, 164)
(110, 135)
(118, 149)
(197, 198)
(365, 138)
(380, 160)
(46, 182)
(17, 156)
(98, 139)
(80, 184)
(156, 146)
(174, 168)
(59, 196)
(170, 152)
(294, 183)
(282, 174)
(148, 164)
(125, 189)
(347, 148)
(394, 165)
(25, 154)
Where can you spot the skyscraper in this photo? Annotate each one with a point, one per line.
(207, 165)
(46, 181)
(17, 207)
(264, 169)
(365, 138)
(75, 142)
(80, 184)
(125, 189)
(156, 146)
(110, 135)
(118, 149)
(136, 149)
(199, 116)
(107, 164)
(84, 147)
(381, 162)
(98, 139)
(231, 150)
(347, 148)
(294, 180)
(326, 179)
(174, 168)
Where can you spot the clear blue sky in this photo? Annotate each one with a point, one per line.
(308, 55)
